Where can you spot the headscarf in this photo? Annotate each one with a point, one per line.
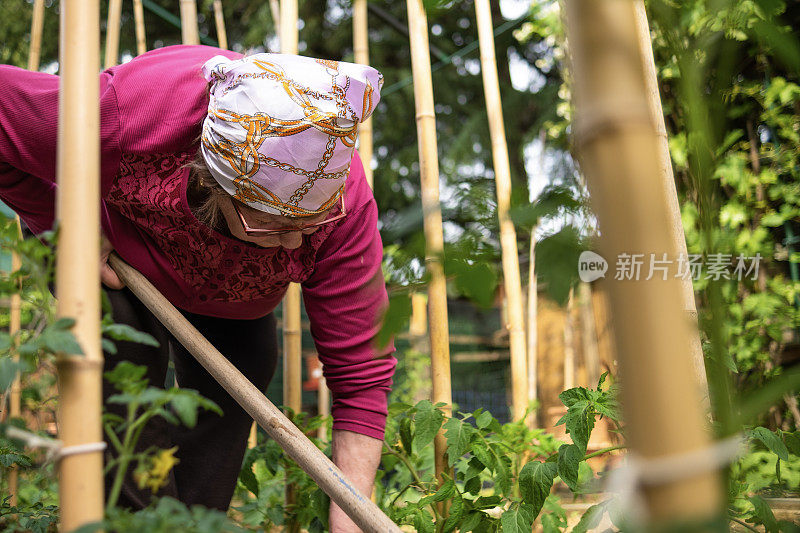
(280, 130)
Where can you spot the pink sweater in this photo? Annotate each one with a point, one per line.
(151, 111)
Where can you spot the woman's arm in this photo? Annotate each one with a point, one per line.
(358, 457)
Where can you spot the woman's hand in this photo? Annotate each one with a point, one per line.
(107, 274)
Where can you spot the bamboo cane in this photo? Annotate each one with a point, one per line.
(360, 509)
(37, 25)
(508, 235)
(361, 52)
(434, 238)
(292, 340)
(219, 18)
(112, 32)
(323, 406)
(275, 10)
(138, 16)
(189, 31)
(77, 273)
(618, 147)
(569, 345)
(14, 403)
(591, 355)
(668, 183)
(533, 333)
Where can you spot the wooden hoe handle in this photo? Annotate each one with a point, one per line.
(327, 475)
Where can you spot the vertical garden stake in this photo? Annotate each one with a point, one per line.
(219, 19)
(80, 377)
(189, 31)
(37, 25)
(138, 17)
(617, 143)
(668, 183)
(292, 347)
(14, 403)
(361, 52)
(508, 235)
(434, 238)
(112, 33)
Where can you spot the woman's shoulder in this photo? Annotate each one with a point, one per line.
(162, 97)
(358, 193)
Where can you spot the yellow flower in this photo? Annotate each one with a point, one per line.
(153, 473)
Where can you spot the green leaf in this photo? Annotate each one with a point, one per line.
(185, 407)
(123, 332)
(458, 435)
(56, 340)
(9, 369)
(427, 423)
(423, 521)
(455, 514)
(763, 514)
(770, 440)
(483, 419)
(481, 451)
(475, 280)
(246, 475)
(580, 422)
(591, 518)
(472, 521)
(569, 459)
(518, 520)
(405, 435)
(792, 441)
(473, 485)
(502, 473)
(395, 319)
(535, 482)
(445, 492)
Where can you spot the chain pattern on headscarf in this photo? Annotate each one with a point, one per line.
(244, 158)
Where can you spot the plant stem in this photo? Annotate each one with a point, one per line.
(406, 462)
(124, 458)
(744, 524)
(604, 450)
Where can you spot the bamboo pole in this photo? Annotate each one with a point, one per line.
(296, 445)
(112, 33)
(292, 360)
(37, 25)
(189, 30)
(77, 274)
(434, 238)
(533, 333)
(361, 52)
(618, 148)
(219, 19)
(323, 406)
(569, 345)
(508, 235)
(675, 226)
(14, 403)
(292, 340)
(591, 355)
(138, 17)
(275, 10)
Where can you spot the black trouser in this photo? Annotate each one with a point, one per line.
(210, 453)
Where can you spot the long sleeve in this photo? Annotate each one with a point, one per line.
(345, 298)
(28, 136)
